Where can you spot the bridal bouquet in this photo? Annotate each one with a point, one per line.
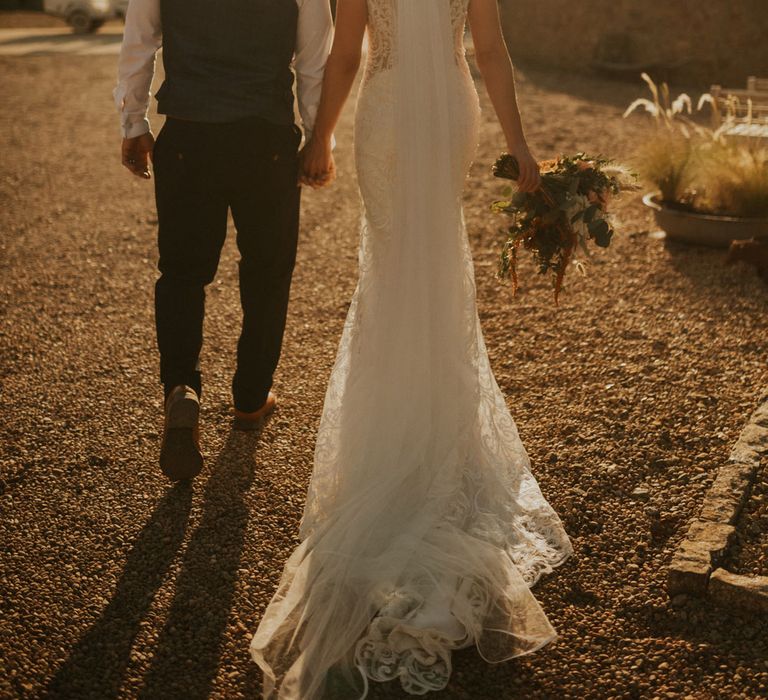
(568, 210)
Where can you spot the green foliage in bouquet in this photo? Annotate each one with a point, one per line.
(567, 211)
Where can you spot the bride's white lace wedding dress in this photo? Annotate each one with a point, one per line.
(423, 529)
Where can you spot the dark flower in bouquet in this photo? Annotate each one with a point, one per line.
(565, 213)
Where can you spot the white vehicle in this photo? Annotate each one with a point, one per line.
(84, 16)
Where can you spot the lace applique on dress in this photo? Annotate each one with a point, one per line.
(382, 22)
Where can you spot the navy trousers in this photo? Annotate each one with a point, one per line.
(202, 171)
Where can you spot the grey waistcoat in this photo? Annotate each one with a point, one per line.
(228, 59)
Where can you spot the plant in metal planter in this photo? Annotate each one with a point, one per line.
(709, 190)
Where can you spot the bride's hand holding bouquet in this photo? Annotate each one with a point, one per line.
(567, 209)
(529, 177)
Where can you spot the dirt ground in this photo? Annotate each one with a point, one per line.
(21, 18)
(116, 585)
(24, 19)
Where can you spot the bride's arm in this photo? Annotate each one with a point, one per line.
(340, 71)
(496, 68)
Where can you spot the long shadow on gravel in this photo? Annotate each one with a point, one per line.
(97, 664)
(188, 649)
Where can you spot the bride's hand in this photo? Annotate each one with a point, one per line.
(530, 179)
(316, 165)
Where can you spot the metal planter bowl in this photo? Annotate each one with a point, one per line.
(704, 229)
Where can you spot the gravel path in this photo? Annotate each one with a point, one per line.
(115, 585)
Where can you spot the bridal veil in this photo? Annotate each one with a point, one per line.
(424, 528)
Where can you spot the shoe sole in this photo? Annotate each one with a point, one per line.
(180, 457)
(249, 424)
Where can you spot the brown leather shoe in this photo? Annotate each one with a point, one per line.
(180, 456)
(255, 419)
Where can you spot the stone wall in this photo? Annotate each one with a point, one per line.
(689, 41)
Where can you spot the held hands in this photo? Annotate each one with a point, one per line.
(136, 154)
(530, 179)
(317, 167)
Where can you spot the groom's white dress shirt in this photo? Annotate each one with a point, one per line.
(143, 37)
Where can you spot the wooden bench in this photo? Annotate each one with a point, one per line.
(744, 112)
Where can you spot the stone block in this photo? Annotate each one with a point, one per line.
(734, 590)
(689, 571)
(743, 453)
(760, 416)
(728, 493)
(753, 441)
(755, 436)
(712, 537)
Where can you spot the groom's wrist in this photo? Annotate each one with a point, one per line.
(309, 135)
(131, 128)
(322, 136)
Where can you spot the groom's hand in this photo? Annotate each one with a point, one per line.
(136, 154)
(317, 167)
